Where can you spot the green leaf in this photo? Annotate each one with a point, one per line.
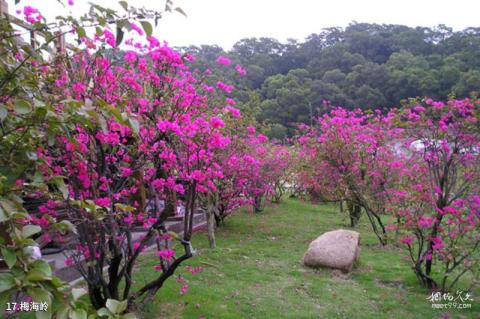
(57, 282)
(50, 139)
(62, 313)
(173, 234)
(17, 216)
(115, 306)
(81, 32)
(122, 306)
(43, 266)
(7, 205)
(7, 281)
(129, 316)
(40, 271)
(22, 107)
(134, 125)
(35, 275)
(6, 297)
(110, 110)
(178, 9)
(78, 314)
(38, 178)
(30, 230)
(102, 21)
(71, 227)
(3, 112)
(104, 312)
(9, 256)
(124, 208)
(147, 27)
(60, 183)
(32, 156)
(112, 305)
(78, 292)
(18, 201)
(119, 36)
(124, 5)
(43, 314)
(3, 215)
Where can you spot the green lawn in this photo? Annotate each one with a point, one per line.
(256, 272)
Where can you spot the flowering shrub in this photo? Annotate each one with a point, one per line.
(148, 133)
(28, 115)
(278, 170)
(347, 158)
(437, 200)
(251, 166)
(419, 164)
(253, 169)
(245, 178)
(115, 137)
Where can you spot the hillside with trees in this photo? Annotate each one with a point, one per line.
(363, 65)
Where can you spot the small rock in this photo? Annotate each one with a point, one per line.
(337, 249)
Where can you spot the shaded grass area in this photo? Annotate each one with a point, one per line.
(256, 272)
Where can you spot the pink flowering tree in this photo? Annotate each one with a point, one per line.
(222, 196)
(123, 134)
(250, 165)
(437, 201)
(259, 164)
(230, 186)
(149, 133)
(348, 157)
(278, 171)
(247, 166)
(29, 115)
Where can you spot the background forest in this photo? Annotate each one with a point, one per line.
(363, 65)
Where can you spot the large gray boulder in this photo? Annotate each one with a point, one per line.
(334, 249)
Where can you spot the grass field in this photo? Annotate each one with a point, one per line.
(256, 272)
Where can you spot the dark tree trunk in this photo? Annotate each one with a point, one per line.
(258, 204)
(354, 211)
(211, 228)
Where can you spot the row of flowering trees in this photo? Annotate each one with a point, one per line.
(110, 140)
(254, 171)
(420, 165)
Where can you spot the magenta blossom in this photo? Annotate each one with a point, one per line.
(223, 60)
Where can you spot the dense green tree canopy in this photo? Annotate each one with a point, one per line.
(363, 65)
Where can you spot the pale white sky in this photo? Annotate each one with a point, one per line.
(224, 22)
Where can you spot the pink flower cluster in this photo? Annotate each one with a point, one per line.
(166, 254)
(223, 60)
(32, 15)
